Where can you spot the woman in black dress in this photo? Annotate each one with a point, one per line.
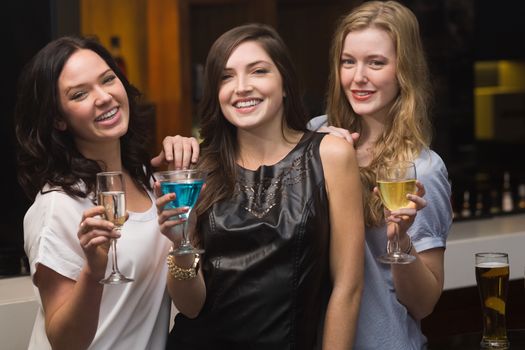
(280, 218)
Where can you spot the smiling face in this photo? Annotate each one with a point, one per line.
(93, 100)
(251, 90)
(368, 72)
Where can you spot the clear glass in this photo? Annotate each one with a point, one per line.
(395, 180)
(492, 278)
(111, 194)
(187, 185)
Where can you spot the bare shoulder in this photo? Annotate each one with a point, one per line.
(336, 151)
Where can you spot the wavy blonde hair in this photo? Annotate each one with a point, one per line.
(409, 130)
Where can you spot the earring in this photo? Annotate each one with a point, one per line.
(60, 125)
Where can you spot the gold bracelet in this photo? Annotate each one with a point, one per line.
(180, 273)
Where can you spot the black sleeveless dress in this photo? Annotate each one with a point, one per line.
(266, 261)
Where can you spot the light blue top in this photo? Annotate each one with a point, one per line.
(384, 323)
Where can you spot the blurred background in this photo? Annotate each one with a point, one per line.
(475, 49)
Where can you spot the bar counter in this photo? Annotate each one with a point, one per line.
(18, 307)
(498, 234)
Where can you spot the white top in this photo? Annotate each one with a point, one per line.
(133, 315)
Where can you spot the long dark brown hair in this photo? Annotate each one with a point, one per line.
(47, 155)
(219, 146)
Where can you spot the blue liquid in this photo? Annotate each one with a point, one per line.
(186, 193)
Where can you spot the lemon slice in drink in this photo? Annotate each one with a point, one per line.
(496, 271)
(496, 304)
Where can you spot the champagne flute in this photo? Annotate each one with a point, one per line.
(111, 195)
(395, 180)
(187, 185)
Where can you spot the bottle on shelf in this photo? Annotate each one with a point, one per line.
(521, 200)
(478, 210)
(117, 54)
(465, 211)
(507, 202)
(494, 203)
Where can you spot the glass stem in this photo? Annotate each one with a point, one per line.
(185, 240)
(114, 266)
(393, 245)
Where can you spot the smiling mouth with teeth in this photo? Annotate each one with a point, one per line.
(107, 115)
(245, 104)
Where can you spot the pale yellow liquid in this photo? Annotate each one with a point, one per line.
(394, 193)
(114, 203)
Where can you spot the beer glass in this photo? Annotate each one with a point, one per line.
(492, 277)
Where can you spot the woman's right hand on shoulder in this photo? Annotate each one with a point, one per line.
(178, 152)
(351, 137)
(95, 234)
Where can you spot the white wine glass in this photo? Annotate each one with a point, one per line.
(395, 180)
(111, 194)
(187, 185)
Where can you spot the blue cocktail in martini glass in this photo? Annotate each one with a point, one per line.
(187, 185)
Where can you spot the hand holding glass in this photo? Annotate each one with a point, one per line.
(395, 180)
(187, 185)
(111, 195)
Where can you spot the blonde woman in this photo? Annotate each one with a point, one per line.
(379, 88)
